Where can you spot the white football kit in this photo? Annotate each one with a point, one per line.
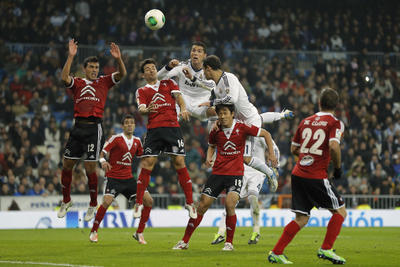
(195, 91)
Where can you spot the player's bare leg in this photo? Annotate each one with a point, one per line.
(231, 201)
(147, 203)
(204, 205)
(66, 179)
(107, 200)
(147, 165)
(186, 184)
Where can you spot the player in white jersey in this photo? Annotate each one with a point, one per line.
(194, 87)
(229, 91)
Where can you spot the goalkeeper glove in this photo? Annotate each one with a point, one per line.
(287, 114)
(337, 173)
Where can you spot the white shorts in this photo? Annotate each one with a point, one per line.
(192, 105)
(252, 181)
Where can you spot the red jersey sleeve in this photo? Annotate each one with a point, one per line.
(139, 149)
(173, 87)
(72, 86)
(109, 144)
(212, 138)
(109, 80)
(251, 130)
(336, 131)
(297, 138)
(141, 97)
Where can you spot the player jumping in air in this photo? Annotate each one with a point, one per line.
(86, 138)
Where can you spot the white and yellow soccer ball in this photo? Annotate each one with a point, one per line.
(154, 19)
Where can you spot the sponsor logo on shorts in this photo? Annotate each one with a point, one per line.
(147, 150)
(208, 191)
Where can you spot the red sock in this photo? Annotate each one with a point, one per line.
(143, 219)
(66, 179)
(230, 227)
(93, 188)
(142, 183)
(333, 230)
(191, 226)
(99, 217)
(186, 184)
(288, 233)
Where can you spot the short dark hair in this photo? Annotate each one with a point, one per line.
(127, 116)
(93, 59)
(329, 99)
(228, 106)
(145, 62)
(199, 43)
(213, 61)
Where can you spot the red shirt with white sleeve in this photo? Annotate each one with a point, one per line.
(230, 143)
(313, 136)
(121, 151)
(90, 96)
(161, 94)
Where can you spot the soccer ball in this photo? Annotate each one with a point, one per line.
(154, 19)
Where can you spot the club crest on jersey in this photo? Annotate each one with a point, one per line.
(158, 96)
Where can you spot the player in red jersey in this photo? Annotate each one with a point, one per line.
(316, 143)
(86, 138)
(120, 149)
(157, 99)
(227, 171)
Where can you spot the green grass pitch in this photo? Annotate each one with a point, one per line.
(116, 247)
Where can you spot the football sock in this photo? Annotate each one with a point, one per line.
(191, 226)
(93, 188)
(269, 117)
(186, 184)
(66, 179)
(259, 165)
(99, 217)
(222, 225)
(333, 230)
(230, 227)
(142, 183)
(143, 219)
(288, 234)
(255, 213)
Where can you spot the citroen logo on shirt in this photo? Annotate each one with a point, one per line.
(158, 96)
(229, 145)
(88, 90)
(127, 157)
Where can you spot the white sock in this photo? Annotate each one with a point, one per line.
(269, 117)
(222, 225)
(259, 165)
(255, 213)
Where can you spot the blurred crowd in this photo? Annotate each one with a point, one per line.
(36, 109)
(328, 25)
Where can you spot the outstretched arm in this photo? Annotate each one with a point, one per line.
(181, 103)
(168, 71)
(210, 154)
(72, 50)
(116, 53)
(209, 85)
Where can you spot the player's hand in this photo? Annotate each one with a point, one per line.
(114, 50)
(209, 163)
(72, 47)
(187, 73)
(215, 126)
(273, 160)
(106, 166)
(173, 63)
(337, 173)
(185, 114)
(205, 104)
(287, 114)
(151, 107)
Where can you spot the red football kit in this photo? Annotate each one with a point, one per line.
(230, 143)
(121, 151)
(90, 96)
(313, 136)
(161, 94)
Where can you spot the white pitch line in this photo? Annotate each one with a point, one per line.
(48, 263)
